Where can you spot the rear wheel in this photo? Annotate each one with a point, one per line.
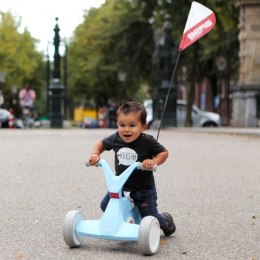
(149, 235)
(71, 238)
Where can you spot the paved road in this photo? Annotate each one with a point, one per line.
(210, 184)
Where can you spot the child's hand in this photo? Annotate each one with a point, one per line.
(93, 159)
(148, 164)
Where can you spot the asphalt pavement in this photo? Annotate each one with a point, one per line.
(210, 184)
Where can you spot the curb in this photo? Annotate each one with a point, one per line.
(254, 132)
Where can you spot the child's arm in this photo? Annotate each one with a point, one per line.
(95, 154)
(160, 158)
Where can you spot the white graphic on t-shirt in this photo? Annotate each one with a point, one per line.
(127, 156)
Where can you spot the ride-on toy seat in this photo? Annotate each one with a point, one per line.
(120, 221)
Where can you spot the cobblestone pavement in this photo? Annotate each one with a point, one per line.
(210, 184)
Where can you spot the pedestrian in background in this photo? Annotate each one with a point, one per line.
(27, 96)
(1, 98)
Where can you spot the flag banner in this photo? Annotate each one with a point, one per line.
(201, 20)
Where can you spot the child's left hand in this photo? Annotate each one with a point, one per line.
(149, 163)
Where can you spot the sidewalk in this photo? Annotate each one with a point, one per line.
(255, 132)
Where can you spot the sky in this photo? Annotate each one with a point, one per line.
(39, 16)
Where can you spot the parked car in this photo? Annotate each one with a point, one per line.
(200, 118)
(8, 120)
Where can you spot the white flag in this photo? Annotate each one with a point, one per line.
(201, 20)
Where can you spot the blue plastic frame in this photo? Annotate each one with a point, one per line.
(115, 222)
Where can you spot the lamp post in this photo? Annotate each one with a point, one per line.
(65, 68)
(56, 89)
(162, 89)
(221, 64)
(56, 70)
(121, 75)
(48, 71)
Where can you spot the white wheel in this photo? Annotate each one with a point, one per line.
(70, 235)
(149, 235)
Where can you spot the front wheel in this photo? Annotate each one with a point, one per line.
(149, 235)
(71, 238)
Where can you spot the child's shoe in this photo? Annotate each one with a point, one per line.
(170, 229)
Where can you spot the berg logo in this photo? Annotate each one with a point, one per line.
(198, 31)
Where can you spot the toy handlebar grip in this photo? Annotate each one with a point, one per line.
(146, 169)
(88, 164)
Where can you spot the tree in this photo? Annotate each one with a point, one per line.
(19, 58)
(114, 38)
(118, 37)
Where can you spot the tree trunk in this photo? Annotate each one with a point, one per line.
(191, 86)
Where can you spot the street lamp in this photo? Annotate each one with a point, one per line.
(167, 51)
(48, 72)
(121, 75)
(56, 89)
(223, 90)
(170, 110)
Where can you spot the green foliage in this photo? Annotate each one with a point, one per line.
(19, 58)
(118, 37)
(114, 38)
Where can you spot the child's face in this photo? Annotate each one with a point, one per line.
(130, 126)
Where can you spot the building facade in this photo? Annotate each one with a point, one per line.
(246, 95)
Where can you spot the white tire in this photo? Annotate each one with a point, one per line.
(149, 235)
(71, 238)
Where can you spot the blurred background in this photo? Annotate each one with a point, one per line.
(127, 49)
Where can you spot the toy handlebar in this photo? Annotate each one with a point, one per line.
(140, 166)
(97, 164)
(146, 169)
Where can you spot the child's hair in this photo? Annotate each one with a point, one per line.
(133, 107)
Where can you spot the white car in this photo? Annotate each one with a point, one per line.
(200, 118)
(6, 118)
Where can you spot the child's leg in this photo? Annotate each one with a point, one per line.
(104, 202)
(146, 201)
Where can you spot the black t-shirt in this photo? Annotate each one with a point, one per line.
(144, 147)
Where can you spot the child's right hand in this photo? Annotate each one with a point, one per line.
(93, 159)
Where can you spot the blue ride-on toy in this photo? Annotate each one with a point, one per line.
(120, 221)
